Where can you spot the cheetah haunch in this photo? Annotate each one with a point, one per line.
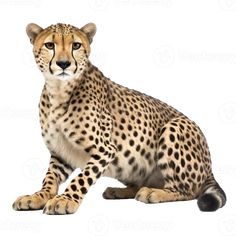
(92, 123)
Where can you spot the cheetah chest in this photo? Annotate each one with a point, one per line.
(59, 144)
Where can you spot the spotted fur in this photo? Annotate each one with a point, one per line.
(92, 123)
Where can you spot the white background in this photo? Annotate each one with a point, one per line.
(182, 52)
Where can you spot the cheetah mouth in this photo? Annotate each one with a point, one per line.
(63, 74)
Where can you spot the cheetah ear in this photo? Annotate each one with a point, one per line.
(90, 30)
(32, 31)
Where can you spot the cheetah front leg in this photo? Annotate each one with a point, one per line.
(69, 201)
(57, 173)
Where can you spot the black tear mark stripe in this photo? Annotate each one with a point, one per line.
(63, 42)
(76, 65)
(61, 161)
(50, 63)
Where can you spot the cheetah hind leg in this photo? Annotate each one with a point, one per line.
(153, 195)
(120, 193)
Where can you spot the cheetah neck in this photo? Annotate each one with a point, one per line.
(59, 91)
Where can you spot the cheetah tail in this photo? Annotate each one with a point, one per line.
(212, 196)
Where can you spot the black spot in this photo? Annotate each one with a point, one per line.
(115, 161)
(122, 120)
(160, 155)
(172, 129)
(172, 138)
(138, 148)
(170, 151)
(103, 162)
(148, 155)
(163, 166)
(177, 169)
(188, 157)
(95, 169)
(123, 136)
(135, 133)
(193, 175)
(81, 182)
(98, 175)
(88, 149)
(181, 126)
(129, 127)
(199, 178)
(76, 196)
(172, 165)
(127, 153)
(189, 167)
(119, 147)
(131, 142)
(195, 166)
(182, 162)
(161, 141)
(83, 190)
(186, 147)
(176, 155)
(101, 149)
(163, 147)
(90, 181)
(73, 187)
(71, 134)
(87, 173)
(131, 160)
(142, 152)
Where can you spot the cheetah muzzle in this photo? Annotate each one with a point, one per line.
(92, 123)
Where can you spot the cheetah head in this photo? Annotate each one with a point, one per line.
(61, 51)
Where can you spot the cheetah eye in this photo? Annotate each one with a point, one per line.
(76, 45)
(49, 45)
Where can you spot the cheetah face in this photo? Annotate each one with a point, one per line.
(61, 51)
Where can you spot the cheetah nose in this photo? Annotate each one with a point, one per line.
(63, 64)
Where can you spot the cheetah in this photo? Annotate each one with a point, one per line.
(92, 123)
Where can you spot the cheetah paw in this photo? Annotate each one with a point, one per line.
(35, 201)
(146, 195)
(60, 205)
(109, 193)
